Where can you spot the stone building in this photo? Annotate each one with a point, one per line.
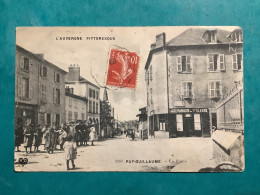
(82, 87)
(39, 89)
(187, 76)
(75, 107)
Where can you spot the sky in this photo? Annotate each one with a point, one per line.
(92, 55)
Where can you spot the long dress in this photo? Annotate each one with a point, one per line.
(19, 135)
(28, 133)
(37, 139)
(49, 140)
(70, 150)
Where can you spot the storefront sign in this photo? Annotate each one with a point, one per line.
(188, 110)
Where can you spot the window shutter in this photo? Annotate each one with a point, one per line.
(19, 86)
(22, 61)
(178, 60)
(41, 70)
(191, 63)
(184, 90)
(54, 76)
(222, 62)
(210, 88)
(30, 64)
(234, 61)
(210, 63)
(30, 88)
(54, 95)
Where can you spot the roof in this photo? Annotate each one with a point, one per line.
(40, 59)
(193, 36)
(75, 96)
(81, 80)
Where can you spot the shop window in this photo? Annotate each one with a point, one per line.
(184, 64)
(197, 122)
(237, 61)
(179, 121)
(215, 89)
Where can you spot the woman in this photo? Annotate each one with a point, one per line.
(37, 139)
(92, 135)
(18, 135)
(49, 140)
(28, 133)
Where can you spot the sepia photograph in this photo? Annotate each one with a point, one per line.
(129, 99)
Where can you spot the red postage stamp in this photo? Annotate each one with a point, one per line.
(122, 68)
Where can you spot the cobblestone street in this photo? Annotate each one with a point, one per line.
(123, 154)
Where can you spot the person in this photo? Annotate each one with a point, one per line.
(28, 133)
(49, 140)
(92, 135)
(133, 135)
(62, 136)
(70, 151)
(18, 135)
(37, 138)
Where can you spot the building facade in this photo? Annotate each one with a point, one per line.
(39, 89)
(75, 107)
(187, 76)
(83, 88)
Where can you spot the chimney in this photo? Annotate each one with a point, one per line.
(74, 73)
(153, 46)
(160, 40)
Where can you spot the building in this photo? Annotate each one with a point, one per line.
(187, 76)
(83, 88)
(75, 107)
(39, 89)
(142, 123)
(107, 119)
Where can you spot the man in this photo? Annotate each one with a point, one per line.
(28, 133)
(18, 135)
(37, 138)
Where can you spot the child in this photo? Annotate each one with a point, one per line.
(70, 150)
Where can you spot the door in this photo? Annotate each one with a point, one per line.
(214, 120)
(188, 125)
(48, 119)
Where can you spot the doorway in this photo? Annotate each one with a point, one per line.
(188, 125)
(214, 120)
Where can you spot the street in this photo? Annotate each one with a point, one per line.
(123, 154)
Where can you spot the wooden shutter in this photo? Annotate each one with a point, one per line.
(30, 88)
(234, 61)
(54, 76)
(54, 95)
(188, 64)
(19, 86)
(184, 89)
(221, 62)
(22, 61)
(179, 67)
(210, 62)
(30, 64)
(41, 70)
(211, 88)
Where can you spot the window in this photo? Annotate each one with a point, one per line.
(215, 89)
(44, 71)
(48, 118)
(76, 103)
(187, 91)
(75, 116)
(43, 92)
(96, 107)
(70, 102)
(94, 94)
(197, 123)
(57, 120)
(90, 106)
(151, 73)
(70, 116)
(147, 76)
(179, 121)
(97, 95)
(151, 95)
(24, 88)
(216, 62)
(237, 61)
(25, 63)
(210, 36)
(236, 36)
(90, 92)
(56, 77)
(57, 96)
(184, 64)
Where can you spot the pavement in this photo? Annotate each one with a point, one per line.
(122, 154)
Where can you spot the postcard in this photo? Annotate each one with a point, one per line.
(129, 99)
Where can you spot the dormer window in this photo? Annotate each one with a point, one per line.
(236, 36)
(210, 36)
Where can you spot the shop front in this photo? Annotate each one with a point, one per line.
(25, 113)
(189, 122)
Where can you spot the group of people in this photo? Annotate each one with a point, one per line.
(50, 136)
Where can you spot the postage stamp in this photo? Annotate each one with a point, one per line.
(122, 68)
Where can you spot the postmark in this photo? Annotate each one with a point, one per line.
(122, 68)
